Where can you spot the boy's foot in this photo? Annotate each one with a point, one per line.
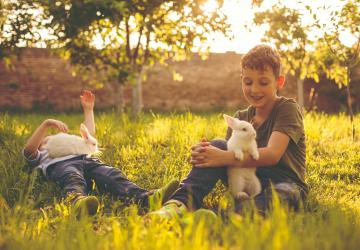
(162, 195)
(202, 214)
(171, 209)
(85, 205)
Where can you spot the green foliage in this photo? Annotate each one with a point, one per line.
(327, 51)
(342, 54)
(345, 56)
(287, 31)
(130, 35)
(154, 149)
(329, 63)
(19, 22)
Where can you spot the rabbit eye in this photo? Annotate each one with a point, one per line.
(244, 129)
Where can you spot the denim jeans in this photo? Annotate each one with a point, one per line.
(200, 181)
(76, 175)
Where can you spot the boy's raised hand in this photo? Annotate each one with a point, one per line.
(59, 125)
(87, 100)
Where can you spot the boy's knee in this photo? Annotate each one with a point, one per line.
(219, 143)
(287, 190)
(289, 193)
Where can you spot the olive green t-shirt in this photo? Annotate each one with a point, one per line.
(285, 117)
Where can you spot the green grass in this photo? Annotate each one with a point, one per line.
(151, 151)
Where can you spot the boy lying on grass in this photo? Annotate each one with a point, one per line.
(74, 171)
(280, 136)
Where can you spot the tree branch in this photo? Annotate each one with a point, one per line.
(356, 52)
(331, 48)
(147, 50)
(127, 30)
(136, 52)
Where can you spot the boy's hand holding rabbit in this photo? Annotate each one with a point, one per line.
(59, 125)
(210, 156)
(205, 155)
(38, 137)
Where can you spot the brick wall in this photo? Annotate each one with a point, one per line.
(43, 81)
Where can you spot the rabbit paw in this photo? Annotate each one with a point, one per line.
(242, 196)
(239, 155)
(255, 155)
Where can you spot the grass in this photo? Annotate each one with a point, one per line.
(155, 149)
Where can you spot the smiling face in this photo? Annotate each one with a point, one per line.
(260, 86)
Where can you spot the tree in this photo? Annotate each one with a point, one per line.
(342, 42)
(18, 27)
(285, 29)
(132, 35)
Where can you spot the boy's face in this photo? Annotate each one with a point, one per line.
(260, 87)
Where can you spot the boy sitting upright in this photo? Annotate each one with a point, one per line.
(280, 137)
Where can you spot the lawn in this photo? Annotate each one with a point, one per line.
(155, 149)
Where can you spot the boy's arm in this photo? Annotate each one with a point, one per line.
(288, 125)
(210, 156)
(88, 101)
(268, 156)
(35, 140)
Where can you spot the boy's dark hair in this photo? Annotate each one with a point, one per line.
(260, 57)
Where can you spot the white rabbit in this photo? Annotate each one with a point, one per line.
(63, 144)
(243, 182)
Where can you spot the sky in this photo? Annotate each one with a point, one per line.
(240, 12)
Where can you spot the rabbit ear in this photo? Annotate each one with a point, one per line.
(230, 121)
(84, 131)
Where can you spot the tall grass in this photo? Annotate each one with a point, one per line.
(154, 149)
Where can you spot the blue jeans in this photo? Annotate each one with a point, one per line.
(76, 176)
(200, 181)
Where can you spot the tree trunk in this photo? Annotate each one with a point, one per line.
(119, 99)
(300, 91)
(349, 103)
(137, 102)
